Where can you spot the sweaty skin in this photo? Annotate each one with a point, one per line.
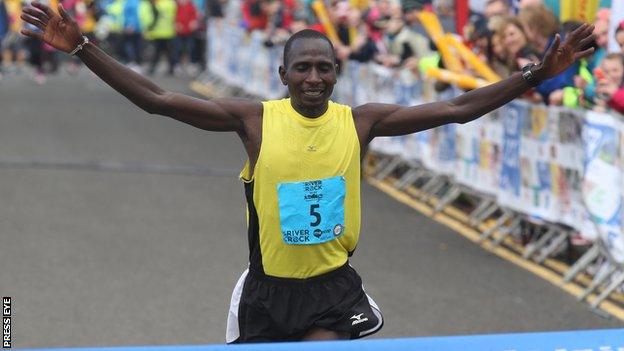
(310, 78)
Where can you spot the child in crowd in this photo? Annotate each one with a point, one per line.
(609, 78)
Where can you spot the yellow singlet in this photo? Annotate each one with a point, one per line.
(298, 149)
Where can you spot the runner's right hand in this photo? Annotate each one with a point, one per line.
(61, 32)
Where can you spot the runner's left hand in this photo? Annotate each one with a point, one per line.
(561, 55)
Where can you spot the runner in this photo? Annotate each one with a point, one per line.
(302, 177)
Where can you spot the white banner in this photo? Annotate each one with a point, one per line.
(602, 180)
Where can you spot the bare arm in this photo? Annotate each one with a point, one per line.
(62, 33)
(388, 120)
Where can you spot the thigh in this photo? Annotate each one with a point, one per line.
(325, 334)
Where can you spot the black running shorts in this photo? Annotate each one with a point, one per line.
(265, 308)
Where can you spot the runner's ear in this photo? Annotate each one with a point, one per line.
(282, 73)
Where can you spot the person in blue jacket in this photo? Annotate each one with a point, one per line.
(4, 27)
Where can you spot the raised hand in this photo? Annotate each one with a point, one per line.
(561, 55)
(61, 32)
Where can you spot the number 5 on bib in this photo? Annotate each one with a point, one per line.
(311, 212)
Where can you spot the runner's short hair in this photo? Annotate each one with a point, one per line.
(305, 34)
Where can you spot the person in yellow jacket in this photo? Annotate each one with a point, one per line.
(162, 32)
(114, 19)
(13, 45)
(302, 177)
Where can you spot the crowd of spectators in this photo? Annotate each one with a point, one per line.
(140, 33)
(143, 33)
(389, 33)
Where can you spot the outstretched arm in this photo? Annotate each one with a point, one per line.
(62, 32)
(388, 120)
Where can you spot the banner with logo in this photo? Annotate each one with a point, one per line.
(479, 153)
(241, 59)
(602, 178)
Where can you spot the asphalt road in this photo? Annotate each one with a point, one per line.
(121, 228)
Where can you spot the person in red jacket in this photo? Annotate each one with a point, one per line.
(186, 23)
(254, 14)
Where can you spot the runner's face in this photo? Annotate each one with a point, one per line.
(310, 75)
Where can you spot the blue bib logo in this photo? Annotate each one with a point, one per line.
(311, 212)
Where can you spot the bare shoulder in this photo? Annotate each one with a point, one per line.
(367, 116)
(241, 108)
(370, 113)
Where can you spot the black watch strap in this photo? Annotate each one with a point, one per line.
(529, 77)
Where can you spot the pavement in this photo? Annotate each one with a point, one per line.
(122, 228)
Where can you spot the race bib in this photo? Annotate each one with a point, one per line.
(311, 212)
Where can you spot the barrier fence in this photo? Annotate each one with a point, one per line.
(557, 168)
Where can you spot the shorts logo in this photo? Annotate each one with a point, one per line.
(337, 229)
(358, 319)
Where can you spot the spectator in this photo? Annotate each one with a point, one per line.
(360, 47)
(588, 84)
(609, 81)
(4, 27)
(494, 8)
(377, 18)
(601, 31)
(576, 96)
(497, 55)
(254, 14)
(540, 26)
(114, 14)
(13, 48)
(405, 45)
(162, 33)
(281, 14)
(131, 36)
(186, 24)
(445, 9)
(514, 39)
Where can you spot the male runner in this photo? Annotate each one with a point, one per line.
(302, 175)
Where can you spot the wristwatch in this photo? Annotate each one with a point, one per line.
(529, 77)
(85, 41)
